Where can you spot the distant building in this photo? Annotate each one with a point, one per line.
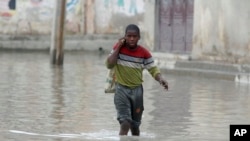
(205, 30)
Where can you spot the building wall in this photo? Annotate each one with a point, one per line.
(29, 17)
(221, 30)
(83, 17)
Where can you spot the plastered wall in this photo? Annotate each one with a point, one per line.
(34, 17)
(221, 30)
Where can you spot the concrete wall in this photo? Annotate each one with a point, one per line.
(221, 30)
(84, 17)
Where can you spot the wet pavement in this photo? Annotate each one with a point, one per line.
(39, 101)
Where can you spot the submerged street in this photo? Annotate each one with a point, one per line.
(39, 101)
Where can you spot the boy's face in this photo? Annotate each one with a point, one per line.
(132, 37)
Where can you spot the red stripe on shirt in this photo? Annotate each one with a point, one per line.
(139, 52)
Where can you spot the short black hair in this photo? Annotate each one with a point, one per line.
(133, 27)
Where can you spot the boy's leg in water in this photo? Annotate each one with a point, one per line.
(124, 127)
(129, 106)
(135, 131)
(137, 109)
(123, 108)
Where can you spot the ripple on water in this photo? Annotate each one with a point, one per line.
(43, 102)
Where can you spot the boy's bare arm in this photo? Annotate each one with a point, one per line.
(161, 80)
(112, 59)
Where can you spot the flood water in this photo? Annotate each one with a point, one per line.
(39, 101)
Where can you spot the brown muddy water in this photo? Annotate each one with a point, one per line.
(39, 101)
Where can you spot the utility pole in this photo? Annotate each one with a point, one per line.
(57, 37)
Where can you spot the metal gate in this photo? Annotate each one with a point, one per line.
(174, 25)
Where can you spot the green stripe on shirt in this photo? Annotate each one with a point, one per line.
(132, 77)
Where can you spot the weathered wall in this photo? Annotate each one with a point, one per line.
(221, 30)
(29, 17)
(84, 17)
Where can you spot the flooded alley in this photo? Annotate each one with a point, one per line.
(39, 101)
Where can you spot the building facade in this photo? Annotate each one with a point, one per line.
(205, 30)
(221, 31)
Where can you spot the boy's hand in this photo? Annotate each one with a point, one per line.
(164, 83)
(121, 41)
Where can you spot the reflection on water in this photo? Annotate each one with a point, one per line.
(40, 101)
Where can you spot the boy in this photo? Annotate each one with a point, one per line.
(129, 60)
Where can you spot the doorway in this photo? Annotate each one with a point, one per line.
(174, 26)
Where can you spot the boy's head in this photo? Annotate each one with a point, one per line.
(132, 35)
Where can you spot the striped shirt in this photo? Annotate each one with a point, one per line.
(130, 66)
